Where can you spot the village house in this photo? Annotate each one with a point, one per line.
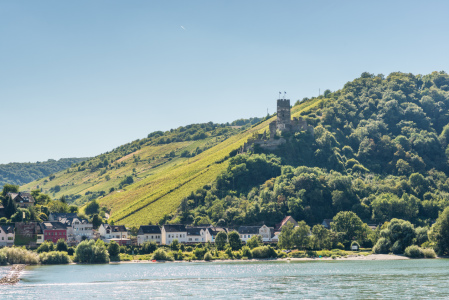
(247, 232)
(196, 234)
(54, 217)
(53, 231)
(77, 229)
(22, 200)
(173, 232)
(210, 233)
(148, 233)
(285, 221)
(6, 235)
(117, 233)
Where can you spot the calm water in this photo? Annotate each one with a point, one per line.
(409, 279)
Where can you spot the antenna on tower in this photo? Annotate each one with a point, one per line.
(279, 95)
(285, 94)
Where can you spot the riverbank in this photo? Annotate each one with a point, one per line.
(13, 275)
(348, 257)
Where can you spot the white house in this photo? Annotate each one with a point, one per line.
(6, 235)
(173, 232)
(267, 233)
(77, 229)
(210, 233)
(116, 233)
(196, 234)
(149, 233)
(247, 232)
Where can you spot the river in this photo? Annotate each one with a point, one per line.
(402, 279)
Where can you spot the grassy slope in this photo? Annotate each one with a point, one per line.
(161, 184)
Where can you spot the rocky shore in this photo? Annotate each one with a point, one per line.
(13, 275)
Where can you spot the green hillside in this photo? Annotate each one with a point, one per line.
(379, 148)
(23, 173)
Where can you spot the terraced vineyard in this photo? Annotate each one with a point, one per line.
(162, 176)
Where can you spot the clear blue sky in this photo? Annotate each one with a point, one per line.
(79, 78)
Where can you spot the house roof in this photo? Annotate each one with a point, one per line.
(249, 229)
(327, 223)
(7, 228)
(284, 221)
(21, 197)
(56, 225)
(215, 230)
(115, 228)
(69, 221)
(58, 216)
(174, 228)
(194, 230)
(145, 229)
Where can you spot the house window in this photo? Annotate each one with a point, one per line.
(10, 238)
(3, 238)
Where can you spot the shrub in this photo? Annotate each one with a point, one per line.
(199, 253)
(113, 249)
(148, 247)
(429, 253)
(397, 247)
(54, 258)
(71, 251)
(246, 252)
(417, 252)
(16, 255)
(263, 252)
(61, 245)
(160, 254)
(413, 252)
(91, 252)
(46, 247)
(382, 246)
(208, 256)
(281, 254)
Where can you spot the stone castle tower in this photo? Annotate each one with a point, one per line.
(283, 115)
(283, 123)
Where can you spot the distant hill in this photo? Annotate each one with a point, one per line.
(23, 173)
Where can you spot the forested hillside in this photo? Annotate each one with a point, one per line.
(22, 173)
(380, 149)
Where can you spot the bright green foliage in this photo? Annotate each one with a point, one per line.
(174, 244)
(160, 254)
(286, 237)
(320, 237)
(221, 240)
(301, 235)
(439, 233)
(264, 252)
(54, 258)
(46, 246)
(16, 255)
(349, 225)
(246, 252)
(397, 236)
(91, 252)
(254, 241)
(234, 240)
(148, 247)
(208, 256)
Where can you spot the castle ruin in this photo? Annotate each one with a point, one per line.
(283, 123)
